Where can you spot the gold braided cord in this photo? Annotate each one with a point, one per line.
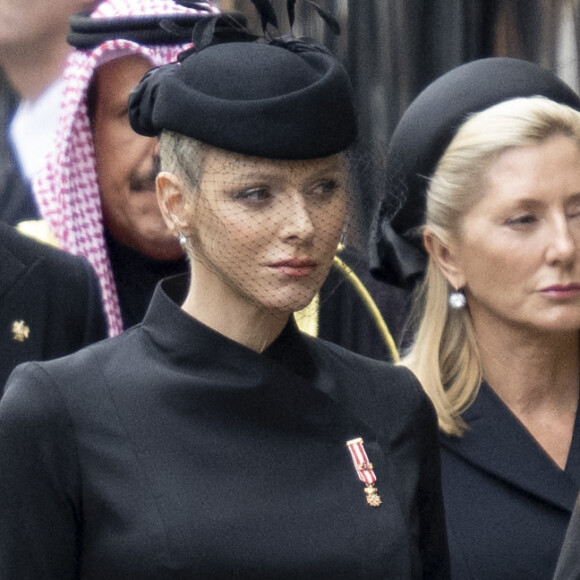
(38, 230)
(307, 319)
(371, 306)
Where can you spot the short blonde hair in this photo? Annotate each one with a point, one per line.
(183, 156)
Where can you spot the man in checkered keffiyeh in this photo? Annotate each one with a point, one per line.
(97, 187)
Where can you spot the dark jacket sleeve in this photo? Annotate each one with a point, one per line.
(38, 517)
(568, 567)
(419, 442)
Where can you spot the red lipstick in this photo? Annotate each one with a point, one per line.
(562, 291)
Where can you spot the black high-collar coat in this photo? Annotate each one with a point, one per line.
(173, 452)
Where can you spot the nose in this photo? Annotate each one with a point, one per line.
(297, 225)
(562, 245)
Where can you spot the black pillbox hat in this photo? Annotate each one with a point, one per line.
(251, 98)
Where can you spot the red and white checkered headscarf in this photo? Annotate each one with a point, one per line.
(66, 189)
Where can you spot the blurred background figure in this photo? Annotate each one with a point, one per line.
(97, 187)
(33, 52)
(569, 562)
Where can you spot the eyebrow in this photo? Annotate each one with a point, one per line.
(280, 174)
(532, 204)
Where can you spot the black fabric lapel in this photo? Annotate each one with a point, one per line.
(500, 445)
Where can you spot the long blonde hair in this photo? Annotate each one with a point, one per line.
(445, 355)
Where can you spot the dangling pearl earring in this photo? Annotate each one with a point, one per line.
(456, 300)
(182, 240)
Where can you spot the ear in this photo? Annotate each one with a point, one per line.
(172, 201)
(446, 258)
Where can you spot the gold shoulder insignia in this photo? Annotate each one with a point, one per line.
(20, 330)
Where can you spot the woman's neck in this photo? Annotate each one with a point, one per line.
(527, 369)
(536, 376)
(232, 315)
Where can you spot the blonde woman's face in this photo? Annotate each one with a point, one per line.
(267, 230)
(518, 255)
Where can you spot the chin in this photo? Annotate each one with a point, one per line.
(556, 326)
(292, 303)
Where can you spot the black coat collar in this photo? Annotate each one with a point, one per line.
(500, 445)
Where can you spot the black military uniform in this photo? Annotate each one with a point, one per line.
(50, 302)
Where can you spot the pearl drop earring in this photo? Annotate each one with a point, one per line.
(456, 300)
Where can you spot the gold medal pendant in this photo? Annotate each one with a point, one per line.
(373, 498)
(364, 470)
(20, 331)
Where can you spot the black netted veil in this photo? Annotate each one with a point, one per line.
(281, 107)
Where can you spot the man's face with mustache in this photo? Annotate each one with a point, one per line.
(127, 164)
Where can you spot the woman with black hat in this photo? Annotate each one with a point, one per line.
(484, 205)
(215, 440)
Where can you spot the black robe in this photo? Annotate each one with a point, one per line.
(136, 276)
(173, 452)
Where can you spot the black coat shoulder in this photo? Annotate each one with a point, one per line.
(29, 251)
(392, 390)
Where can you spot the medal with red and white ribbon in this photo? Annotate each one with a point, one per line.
(364, 469)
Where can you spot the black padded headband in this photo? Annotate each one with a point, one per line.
(422, 136)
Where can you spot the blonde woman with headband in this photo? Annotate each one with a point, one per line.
(484, 209)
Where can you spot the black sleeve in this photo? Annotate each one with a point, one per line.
(412, 426)
(39, 482)
(433, 539)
